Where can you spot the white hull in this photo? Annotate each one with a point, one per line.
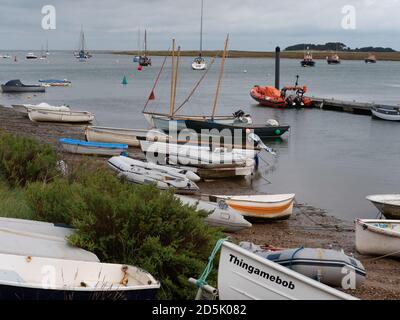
(127, 163)
(24, 108)
(197, 155)
(242, 275)
(384, 116)
(199, 66)
(61, 116)
(387, 204)
(121, 135)
(40, 239)
(261, 206)
(70, 275)
(227, 219)
(378, 237)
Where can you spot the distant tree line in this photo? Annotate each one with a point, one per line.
(335, 46)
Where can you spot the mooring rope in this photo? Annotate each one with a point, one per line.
(202, 281)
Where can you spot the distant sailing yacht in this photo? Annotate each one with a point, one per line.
(144, 60)
(199, 63)
(43, 54)
(82, 54)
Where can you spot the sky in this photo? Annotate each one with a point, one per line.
(257, 25)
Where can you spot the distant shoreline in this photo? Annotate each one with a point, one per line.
(380, 56)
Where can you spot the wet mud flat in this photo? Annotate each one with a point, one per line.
(308, 226)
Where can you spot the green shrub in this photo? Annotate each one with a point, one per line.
(24, 160)
(13, 203)
(130, 224)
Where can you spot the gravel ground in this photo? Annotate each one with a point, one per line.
(308, 226)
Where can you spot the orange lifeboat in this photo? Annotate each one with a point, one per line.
(272, 97)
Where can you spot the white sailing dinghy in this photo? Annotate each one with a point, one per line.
(60, 116)
(92, 148)
(387, 204)
(243, 275)
(39, 239)
(35, 278)
(142, 175)
(225, 218)
(378, 237)
(122, 135)
(24, 108)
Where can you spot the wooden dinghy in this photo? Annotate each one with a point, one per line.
(162, 180)
(92, 148)
(122, 135)
(243, 275)
(278, 206)
(34, 278)
(378, 237)
(225, 218)
(61, 116)
(387, 204)
(197, 156)
(24, 108)
(323, 265)
(39, 239)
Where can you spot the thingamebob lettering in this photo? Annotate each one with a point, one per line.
(252, 270)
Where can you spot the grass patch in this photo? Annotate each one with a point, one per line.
(13, 203)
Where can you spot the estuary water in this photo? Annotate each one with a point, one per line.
(331, 160)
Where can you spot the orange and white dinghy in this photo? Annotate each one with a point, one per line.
(267, 207)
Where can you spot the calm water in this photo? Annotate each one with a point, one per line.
(330, 159)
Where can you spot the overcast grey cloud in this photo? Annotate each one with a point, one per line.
(253, 24)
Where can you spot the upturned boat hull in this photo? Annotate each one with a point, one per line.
(388, 205)
(60, 116)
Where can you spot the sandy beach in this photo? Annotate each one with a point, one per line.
(309, 226)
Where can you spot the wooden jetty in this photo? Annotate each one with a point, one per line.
(346, 106)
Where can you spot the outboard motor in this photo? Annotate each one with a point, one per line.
(241, 116)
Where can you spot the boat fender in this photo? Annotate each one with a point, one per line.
(293, 255)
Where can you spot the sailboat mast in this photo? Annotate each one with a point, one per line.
(145, 43)
(171, 106)
(220, 77)
(139, 44)
(176, 79)
(201, 27)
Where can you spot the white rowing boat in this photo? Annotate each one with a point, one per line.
(277, 206)
(35, 278)
(122, 135)
(225, 218)
(40, 239)
(60, 116)
(387, 204)
(24, 108)
(243, 275)
(378, 237)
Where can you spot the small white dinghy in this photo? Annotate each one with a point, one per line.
(386, 113)
(125, 163)
(34, 278)
(121, 135)
(268, 207)
(60, 116)
(92, 148)
(378, 237)
(387, 204)
(142, 175)
(40, 239)
(243, 275)
(24, 108)
(225, 218)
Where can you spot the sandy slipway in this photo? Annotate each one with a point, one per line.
(309, 226)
